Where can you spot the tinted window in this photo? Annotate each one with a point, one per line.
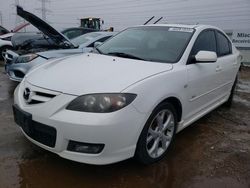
(99, 40)
(224, 46)
(73, 33)
(104, 39)
(159, 44)
(85, 38)
(205, 42)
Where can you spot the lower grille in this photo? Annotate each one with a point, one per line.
(19, 74)
(43, 134)
(39, 132)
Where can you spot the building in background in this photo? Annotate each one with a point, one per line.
(241, 39)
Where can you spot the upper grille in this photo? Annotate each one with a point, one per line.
(36, 97)
(19, 74)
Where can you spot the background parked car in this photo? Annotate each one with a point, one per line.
(5, 38)
(18, 65)
(49, 38)
(74, 32)
(31, 42)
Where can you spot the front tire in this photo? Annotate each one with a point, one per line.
(4, 49)
(157, 135)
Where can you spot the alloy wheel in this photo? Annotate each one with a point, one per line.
(160, 133)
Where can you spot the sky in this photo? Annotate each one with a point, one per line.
(226, 14)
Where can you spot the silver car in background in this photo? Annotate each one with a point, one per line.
(16, 66)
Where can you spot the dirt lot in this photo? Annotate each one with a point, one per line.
(213, 152)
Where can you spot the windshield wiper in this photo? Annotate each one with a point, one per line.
(121, 54)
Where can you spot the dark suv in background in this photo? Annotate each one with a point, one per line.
(3, 30)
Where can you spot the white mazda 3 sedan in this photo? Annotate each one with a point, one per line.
(130, 97)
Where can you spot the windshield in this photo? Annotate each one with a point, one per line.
(86, 38)
(159, 44)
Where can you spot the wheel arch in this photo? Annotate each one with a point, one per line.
(177, 105)
(6, 45)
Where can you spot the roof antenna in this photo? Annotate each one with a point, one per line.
(149, 20)
(158, 20)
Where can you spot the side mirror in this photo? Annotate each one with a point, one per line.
(205, 57)
(97, 44)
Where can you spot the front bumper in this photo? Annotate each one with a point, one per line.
(118, 131)
(15, 71)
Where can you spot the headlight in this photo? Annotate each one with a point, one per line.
(101, 103)
(26, 58)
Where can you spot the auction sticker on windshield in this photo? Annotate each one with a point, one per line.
(181, 29)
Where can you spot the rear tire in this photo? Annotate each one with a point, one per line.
(229, 102)
(157, 135)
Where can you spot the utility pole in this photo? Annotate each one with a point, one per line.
(1, 18)
(43, 9)
(18, 19)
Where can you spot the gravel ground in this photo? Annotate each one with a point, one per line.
(213, 152)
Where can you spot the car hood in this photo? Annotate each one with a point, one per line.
(48, 30)
(93, 73)
(63, 52)
(25, 43)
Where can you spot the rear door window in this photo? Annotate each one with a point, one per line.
(224, 45)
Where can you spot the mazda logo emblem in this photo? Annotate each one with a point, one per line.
(27, 95)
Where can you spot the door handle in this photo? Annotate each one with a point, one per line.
(218, 69)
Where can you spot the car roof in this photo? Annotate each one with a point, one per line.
(79, 28)
(172, 25)
(105, 33)
(191, 26)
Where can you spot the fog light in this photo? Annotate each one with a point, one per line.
(85, 147)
